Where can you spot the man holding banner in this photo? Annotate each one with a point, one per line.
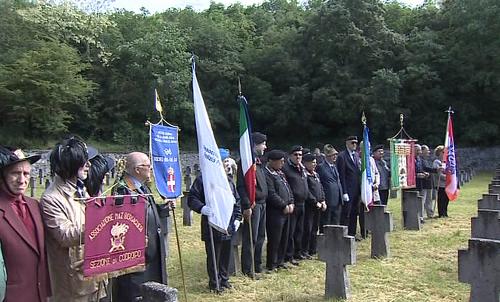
(254, 212)
(137, 173)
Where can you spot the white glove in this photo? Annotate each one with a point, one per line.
(236, 225)
(207, 211)
(345, 197)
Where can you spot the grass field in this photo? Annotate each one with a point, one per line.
(423, 266)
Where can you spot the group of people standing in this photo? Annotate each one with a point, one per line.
(42, 243)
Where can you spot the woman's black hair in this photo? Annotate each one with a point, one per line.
(67, 157)
(98, 169)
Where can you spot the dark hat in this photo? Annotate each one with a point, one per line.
(258, 138)
(275, 155)
(296, 148)
(308, 157)
(92, 152)
(329, 150)
(378, 147)
(10, 156)
(110, 163)
(306, 150)
(351, 138)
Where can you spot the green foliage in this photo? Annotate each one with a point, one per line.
(307, 70)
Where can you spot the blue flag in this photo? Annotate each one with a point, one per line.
(166, 162)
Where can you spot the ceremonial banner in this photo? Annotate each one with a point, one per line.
(450, 161)
(115, 235)
(218, 194)
(246, 152)
(402, 163)
(366, 177)
(164, 145)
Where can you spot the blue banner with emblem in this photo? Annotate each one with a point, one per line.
(164, 146)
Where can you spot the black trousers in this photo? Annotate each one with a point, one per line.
(258, 222)
(332, 216)
(277, 237)
(384, 196)
(442, 203)
(296, 231)
(353, 216)
(311, 224)
(222, 254)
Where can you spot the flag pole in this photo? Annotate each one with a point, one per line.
(250, 230)
(180, 254)
(214, 259)
(449, 111)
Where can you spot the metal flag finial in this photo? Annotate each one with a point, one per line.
(363, 118)
(401, 119)
(239, 86)
(449, 111)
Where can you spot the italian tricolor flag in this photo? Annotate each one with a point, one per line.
(246, 151)
(366, 176)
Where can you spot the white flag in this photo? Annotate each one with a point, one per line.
(218, 194)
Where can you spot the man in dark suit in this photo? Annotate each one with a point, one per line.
(330, 179)
(21, 231)
(348, 165)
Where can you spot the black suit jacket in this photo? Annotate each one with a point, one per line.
(350, 175)
(330, 179)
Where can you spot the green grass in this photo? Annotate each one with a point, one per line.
(423, 266)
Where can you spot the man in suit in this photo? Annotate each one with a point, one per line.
(137, 174)
(348, 165)
(21, 230)
(330, 179)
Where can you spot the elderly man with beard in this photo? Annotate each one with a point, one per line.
(21, 231)
(63, 212)
(254, 216)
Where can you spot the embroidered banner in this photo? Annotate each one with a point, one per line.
(165, 159)
(115, 234)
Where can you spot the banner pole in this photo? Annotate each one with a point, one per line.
(214, 260)
(252, 252)
(180, 255)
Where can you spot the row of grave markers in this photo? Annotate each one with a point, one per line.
(479, 264)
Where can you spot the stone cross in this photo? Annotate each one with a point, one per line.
(411, 207)
(479, 266)
(486, 225)
(337, 249)
(187, 213)
(234, 258)
(379, 222)
(40, 176)
(32, 186)
(494, 189)
(157, 292)
(489, 202)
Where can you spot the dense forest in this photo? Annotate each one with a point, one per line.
(308, 70)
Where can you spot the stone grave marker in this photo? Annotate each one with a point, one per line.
(157, 292)
(479, 266)
(187, 178)
(40, 176)
(234, 258)
(411, 207)
(393, 193)
(47, 182)
(380, 223)
(486, 225)
(337, 249)
(489, 202)
(493, 189)
(187, 213)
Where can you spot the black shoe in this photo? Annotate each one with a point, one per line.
(294, 262)
(226, 285)
(284, 266)
(307, 256)
(299, 257)
(258, 270)
(271, 270)
(252, 276)
(213, 289)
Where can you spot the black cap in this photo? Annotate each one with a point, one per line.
(308, 157)
(351, 138)
(378, 147)
(296, 148)
(258, 138)
(275, 155)
(10, 156)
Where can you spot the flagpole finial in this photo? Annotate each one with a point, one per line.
(401, 119)
(450, 111)
(239, 86)
(363, 118)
